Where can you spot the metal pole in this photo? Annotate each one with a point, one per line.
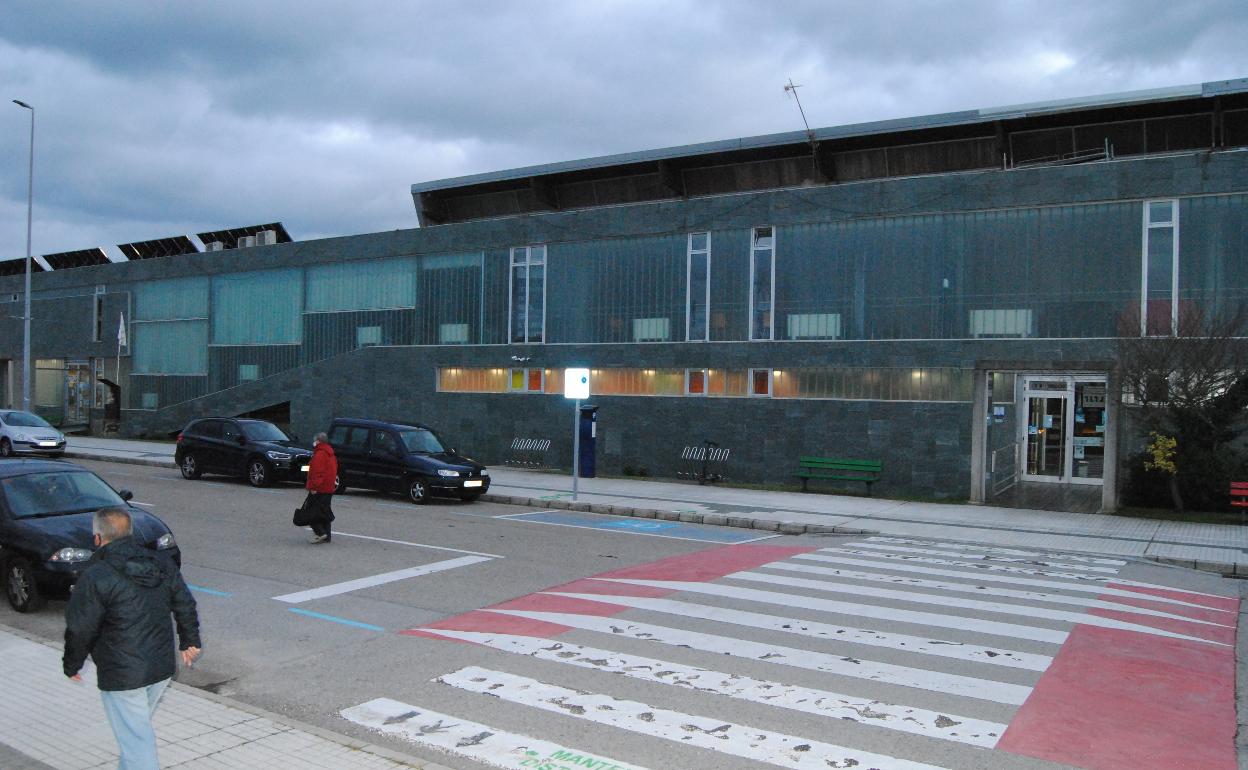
(30, 206)
(576, 446)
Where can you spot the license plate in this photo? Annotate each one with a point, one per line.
(472, 483)
(304, 468)
(47, 443)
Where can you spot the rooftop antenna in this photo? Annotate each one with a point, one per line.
(791, 89)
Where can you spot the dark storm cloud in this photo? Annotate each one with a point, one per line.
(159, 118)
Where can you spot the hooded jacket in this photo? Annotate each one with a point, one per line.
(119, 614)
(323, 470)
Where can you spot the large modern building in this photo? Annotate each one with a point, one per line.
(942, 294)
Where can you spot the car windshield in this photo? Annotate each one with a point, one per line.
(263, 431)
(421, 440)
(25, 420)
(57, 492)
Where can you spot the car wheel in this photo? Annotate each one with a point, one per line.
(339, 487)
(190, 466)
(20, 586)
(6, 448)
(417, 492)
(258, 473)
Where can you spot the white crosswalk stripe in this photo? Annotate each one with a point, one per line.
(999, 608)
(840, 665)
(1038, 557)
(979, 589)
(887, 653)
(719, 735)
(925, 645)
(933, 724)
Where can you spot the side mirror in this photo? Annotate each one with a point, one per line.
(452, 451)
(126, 495)
(241, 439)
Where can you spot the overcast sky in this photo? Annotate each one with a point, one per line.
(165, 118)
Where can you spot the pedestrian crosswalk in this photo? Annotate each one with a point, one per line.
(883, 652)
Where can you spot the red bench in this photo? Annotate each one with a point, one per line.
(1239, 494)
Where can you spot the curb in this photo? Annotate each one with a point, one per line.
(716, 519)
(320, 732)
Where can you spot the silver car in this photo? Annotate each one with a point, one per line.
(23, 433)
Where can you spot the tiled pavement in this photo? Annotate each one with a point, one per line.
(48, 721)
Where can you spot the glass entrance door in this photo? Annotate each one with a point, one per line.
(1063, 429)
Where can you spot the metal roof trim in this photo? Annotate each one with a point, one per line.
(939, 120)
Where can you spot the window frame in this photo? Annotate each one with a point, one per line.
(527, 264)
(1149, 226)
(771, 388)
(771, 326)
(690, 251)
(706, 381)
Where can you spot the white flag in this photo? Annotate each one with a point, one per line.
(121, 331)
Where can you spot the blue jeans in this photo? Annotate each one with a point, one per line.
(130, 714)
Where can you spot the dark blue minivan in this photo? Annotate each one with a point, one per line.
(411, 459)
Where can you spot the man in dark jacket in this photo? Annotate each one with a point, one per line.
(118, 614)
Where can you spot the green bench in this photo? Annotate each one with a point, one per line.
(867, 471)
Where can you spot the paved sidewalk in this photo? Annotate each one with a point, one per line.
(1212, 547)
(47, 721)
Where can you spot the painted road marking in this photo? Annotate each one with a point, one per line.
(857, 609)
(473, 740)
(209, 591)
(982, 566)
(988, 551)
(924, 645)
(145, 505)
(828, 663)
(967, 604)
(335, 619)
(675, 530)
(933, 724)
(375, 580)
(985, 590)
(686, 729)
(417, 545)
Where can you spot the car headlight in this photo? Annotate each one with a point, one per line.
(484, 472)
(22, 437)
(278, 455)
(165, 541)
(71, 555)
(445, 472)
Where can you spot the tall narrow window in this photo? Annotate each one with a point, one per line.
(528, 294)
(762, 282)
(1159, 306)
(698, 298)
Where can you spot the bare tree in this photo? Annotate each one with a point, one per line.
(1193, 387)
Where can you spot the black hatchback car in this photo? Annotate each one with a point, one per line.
(45, 527)
(391, 457)
(256, 450)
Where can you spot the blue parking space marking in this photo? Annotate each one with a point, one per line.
(336, 619)
(211, 591)
(653, 527)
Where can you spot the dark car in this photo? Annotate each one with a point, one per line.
(256, 450)
(391, 457)
(45, 527)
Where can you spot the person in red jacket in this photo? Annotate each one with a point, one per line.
(322, 480)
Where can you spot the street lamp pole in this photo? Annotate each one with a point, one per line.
(30, 206)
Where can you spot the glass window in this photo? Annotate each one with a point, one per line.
(699, 287)
(760, 382)
(384, 442)
(149, 401)
(338, 435)
(695, 382)
(1159, 304)
(762, 283)
(40, 494)
(367, 335)
(528, 294)
(264, 431)
(421, 440)
(247, 372)
(358, 439)
(230, 431)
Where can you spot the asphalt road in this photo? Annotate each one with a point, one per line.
(686, 648)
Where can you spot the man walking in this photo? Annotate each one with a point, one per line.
(321, 483)
(119, 614)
